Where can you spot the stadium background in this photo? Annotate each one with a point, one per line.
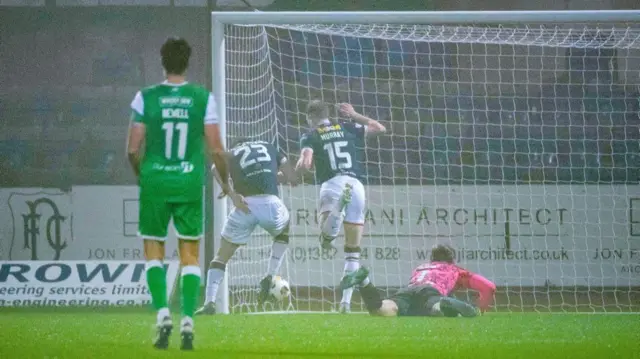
(68, 74)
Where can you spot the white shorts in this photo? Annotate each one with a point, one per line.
(268, 212)
(330, 193)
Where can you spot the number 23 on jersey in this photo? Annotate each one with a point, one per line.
(252, 153)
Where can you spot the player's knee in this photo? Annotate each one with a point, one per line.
(225, 251)
(283, 237)
(389, 308)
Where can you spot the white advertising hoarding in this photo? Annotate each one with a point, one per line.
(87, 223)
(515, 235)
(77, 283)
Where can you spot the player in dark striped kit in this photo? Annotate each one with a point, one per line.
(335, 149)
(254, 168)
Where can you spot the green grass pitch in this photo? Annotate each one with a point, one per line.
(127, 334)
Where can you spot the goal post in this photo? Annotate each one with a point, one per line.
(512, 136)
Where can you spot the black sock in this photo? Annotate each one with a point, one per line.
(430, 303)
(452, 307)
(371, 297)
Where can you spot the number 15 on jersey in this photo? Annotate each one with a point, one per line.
(339, 157)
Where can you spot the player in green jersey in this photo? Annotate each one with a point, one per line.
(172, 121)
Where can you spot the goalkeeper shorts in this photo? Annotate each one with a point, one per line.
(411, 301)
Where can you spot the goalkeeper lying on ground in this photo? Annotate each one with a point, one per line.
(428, 291)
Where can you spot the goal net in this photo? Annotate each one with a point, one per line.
(517, 145)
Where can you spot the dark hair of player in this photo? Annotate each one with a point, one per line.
(175, 53)
(238, 141)
(442, 253)
(317, 111)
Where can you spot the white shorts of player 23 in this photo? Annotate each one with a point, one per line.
(330, 193)
(268, 212)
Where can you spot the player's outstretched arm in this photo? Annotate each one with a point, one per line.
(485, 288)
(371, 126)
(136, 136)
(289, 175)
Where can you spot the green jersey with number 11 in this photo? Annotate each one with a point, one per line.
(174, 162)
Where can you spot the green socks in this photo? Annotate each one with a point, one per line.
(190, 289)
(157, 283)
(190, 286)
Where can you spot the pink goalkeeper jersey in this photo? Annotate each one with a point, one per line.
(447, 277)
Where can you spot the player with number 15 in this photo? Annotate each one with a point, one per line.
(335, 149)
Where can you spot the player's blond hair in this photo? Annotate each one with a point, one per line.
(317, 110)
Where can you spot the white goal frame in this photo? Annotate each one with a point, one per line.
(220, 19)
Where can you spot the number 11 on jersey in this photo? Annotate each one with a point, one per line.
(169, 128)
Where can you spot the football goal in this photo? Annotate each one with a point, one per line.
(512, 136)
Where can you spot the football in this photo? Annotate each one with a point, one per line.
(280, 289)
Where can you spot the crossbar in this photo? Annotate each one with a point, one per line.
(423, 17)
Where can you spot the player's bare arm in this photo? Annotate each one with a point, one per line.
(218, 155)
(306, 159)
(227, 190)
(372, 126)
(236, 198)
(218, 178)
(289, 175)
(134, 144)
